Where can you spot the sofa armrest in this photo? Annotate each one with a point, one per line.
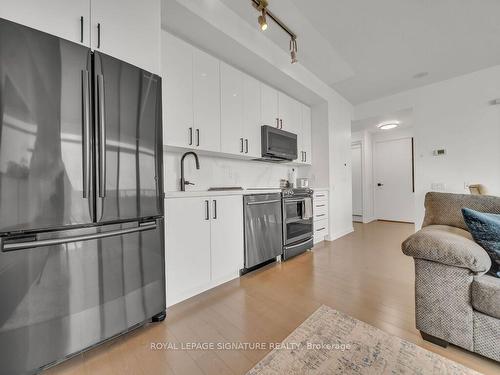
(449, 246)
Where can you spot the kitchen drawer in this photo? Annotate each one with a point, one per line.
(320, 210)
(320, 229)
(321, 195)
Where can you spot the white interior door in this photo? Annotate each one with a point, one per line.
(393, 178)
(357, 180)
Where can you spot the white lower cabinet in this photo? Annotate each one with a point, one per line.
(204, 244)
(320, 212)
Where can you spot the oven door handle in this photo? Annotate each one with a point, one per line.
(298, 244)
(294, 200)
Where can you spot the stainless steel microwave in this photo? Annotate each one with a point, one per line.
(277, 144)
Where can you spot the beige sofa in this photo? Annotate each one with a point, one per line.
(456, 301)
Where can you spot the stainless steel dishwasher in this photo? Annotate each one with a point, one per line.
(263, 227)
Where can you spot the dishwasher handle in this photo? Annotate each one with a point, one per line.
(264, 202)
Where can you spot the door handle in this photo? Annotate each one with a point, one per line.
(207, 210)
(98, 35)
(380, 184)
(241, 140)
(190, 136)
(263, 202)
(197, 137)
(102, 137)
(85, 237)
(86, 132)
(246, 146)
(215, 209)
(281, 123)
(81, 29)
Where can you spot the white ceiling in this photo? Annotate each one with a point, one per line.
(404, 117)
(367, 49)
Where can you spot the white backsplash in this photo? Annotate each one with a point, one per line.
(220, 171)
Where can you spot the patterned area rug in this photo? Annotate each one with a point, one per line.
(330, 342)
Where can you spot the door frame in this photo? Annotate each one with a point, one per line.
(399, 138)
(361, 146)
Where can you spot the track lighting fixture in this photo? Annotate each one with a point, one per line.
(261, 6)
(262, 20)
(293, 50)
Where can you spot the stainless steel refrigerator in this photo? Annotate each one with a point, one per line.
(81, 198)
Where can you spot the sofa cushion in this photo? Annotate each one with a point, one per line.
(445, 208)
(486, 295)
(447, 245)
(485, 229)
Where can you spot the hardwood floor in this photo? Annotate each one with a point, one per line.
(363, 274)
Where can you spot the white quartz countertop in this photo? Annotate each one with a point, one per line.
(218, 193)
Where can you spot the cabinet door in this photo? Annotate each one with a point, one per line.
(306, 134)
(251, 116)
(62, 18)
(232, 139)
(187, 247)
(128, 30)
(269, 105)
(290, 113)
(177, 61)
(227, 236)
(206, 101)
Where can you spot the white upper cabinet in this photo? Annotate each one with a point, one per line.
(212, 106)
(269, 105)
(232, 135)
(290, 115)
(251, 116)
(128, 30)
(206, 101)
(306, 155)
(177, 62)
(67, 19)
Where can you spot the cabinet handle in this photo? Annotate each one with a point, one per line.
(190, 136)
(98, 35)
(277, 122)
(215, 209)
(197, 137)
(305, 156)
(207, 210)
(246, 146)
(281, 123)
(320, 229)
(81, 29)
(320, 205)
(241, 140)
(320, 215)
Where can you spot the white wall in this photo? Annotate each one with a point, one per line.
(457, 115)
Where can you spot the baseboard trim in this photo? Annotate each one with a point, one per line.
(368, 220)
(337, 235)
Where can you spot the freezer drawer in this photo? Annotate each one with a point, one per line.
(62, 297)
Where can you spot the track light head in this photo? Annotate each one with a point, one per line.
(293, 50)
(262, 20)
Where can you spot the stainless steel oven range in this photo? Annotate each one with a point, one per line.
(297, 208)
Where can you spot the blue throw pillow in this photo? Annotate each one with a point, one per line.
(485, 229)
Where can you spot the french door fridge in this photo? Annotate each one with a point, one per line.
(81, 202)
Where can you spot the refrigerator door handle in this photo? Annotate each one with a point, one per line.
(85, 237)
(102, 137)
(86, 133)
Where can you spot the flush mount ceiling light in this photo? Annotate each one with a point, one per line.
(388, 125)
(261, 6)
